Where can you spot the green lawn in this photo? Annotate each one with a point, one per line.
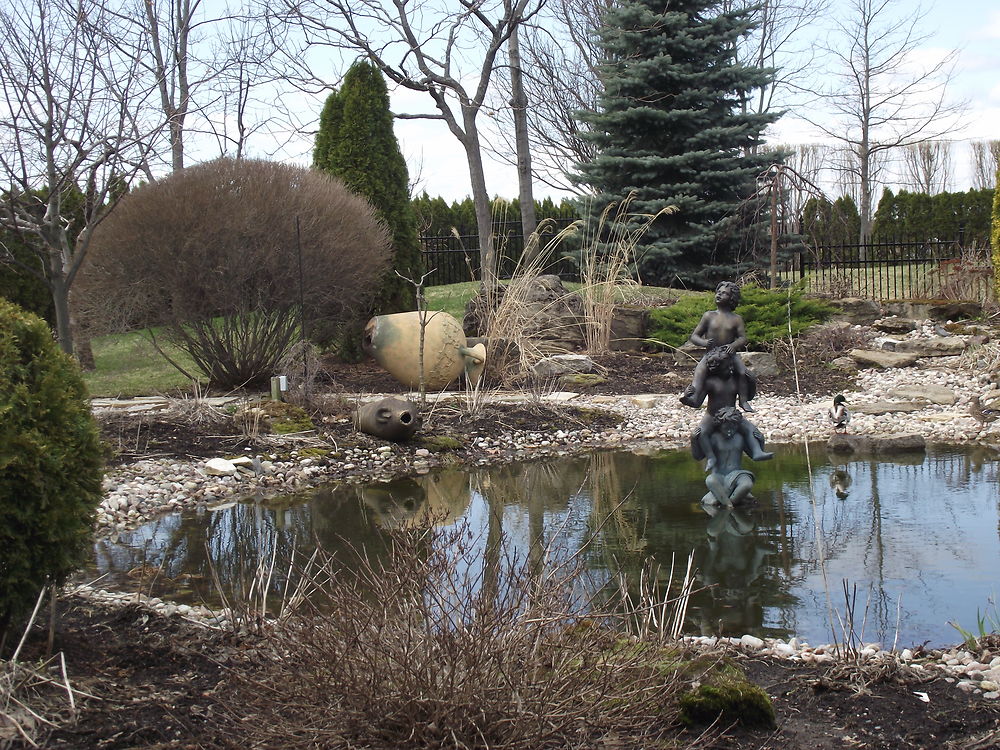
(128, 365)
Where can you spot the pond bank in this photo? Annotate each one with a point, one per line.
(899, 402)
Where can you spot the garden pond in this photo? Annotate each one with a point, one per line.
(914, 538)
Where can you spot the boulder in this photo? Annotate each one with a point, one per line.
(940, 310)
(220, 467)
(761, 364)
(629, 326)
(689, 354)
(936, 346)
(857, 311)
(886, 407)
(935, 394)
(895, 324)
(883, 359)
(844, 364)
(564, 364)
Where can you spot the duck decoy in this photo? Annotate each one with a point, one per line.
(839, 413)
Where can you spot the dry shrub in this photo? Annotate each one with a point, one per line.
(434, 644)
(223, 253)
(970, 277)
(518, 328)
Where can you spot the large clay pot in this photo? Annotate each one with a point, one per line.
(389, 418)
(394, 342)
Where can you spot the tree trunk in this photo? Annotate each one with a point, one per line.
(519, 106)
(481, 201)
(60, 301)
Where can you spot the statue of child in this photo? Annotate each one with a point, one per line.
(721, 386)
(721, 329)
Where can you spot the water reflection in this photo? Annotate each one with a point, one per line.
(920, 532)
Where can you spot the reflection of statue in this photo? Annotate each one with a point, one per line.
(734, 560)
(724, 435)
(722, 331)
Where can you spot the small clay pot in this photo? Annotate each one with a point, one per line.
(390, 418)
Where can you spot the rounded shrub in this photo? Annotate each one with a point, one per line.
(232, 258)
(50, 463)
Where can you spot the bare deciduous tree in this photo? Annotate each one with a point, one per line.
(928, 166)
(448, 52)
(881, 98)
(985, 162)
(560, 57)
(68, 126)
(776, 42)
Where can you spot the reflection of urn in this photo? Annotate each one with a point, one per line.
(388, 418)
(394, 342)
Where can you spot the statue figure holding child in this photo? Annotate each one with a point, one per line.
(724, 435)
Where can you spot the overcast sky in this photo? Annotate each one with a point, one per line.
(970, 26)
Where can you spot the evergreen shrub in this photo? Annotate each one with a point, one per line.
(764, 311)
(50, 463)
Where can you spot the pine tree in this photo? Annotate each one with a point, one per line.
(356, 143)
(671, 129)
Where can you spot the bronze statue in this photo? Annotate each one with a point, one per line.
(724, 331)
(728, 482)
(724, 435)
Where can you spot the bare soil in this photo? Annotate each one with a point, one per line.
(163, 682)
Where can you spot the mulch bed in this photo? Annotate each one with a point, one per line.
(165, 683)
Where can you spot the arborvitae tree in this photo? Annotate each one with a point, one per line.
(671, 129)
(825, 223)
(358, 146)
(328, 134)
(949, 217)
(22, 275)
(995, 238)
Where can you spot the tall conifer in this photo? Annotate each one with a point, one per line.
(356, 143)
(671, 129)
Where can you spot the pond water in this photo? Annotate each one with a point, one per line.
(916, 536)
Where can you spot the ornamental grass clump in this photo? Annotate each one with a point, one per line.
(50, 463)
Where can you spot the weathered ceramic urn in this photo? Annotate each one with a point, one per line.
(394, 342)
(390, 418)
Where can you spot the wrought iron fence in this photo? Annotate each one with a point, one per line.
(930, 269)
(883, 270)
(454, 258)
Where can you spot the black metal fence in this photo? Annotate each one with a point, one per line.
(931, 269)
(454, 258)
(882, 270)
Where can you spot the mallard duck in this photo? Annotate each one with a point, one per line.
(839, 413)
(981, 413)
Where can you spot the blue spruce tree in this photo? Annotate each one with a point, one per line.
(672, 128)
